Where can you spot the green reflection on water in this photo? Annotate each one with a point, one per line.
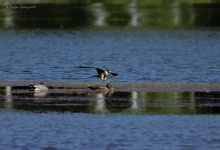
(128, 13)
(87, 101)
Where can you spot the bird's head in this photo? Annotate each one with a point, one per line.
(31, 87)
(109, 71)
(109, 85)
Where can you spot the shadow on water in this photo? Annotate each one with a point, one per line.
(84, 100)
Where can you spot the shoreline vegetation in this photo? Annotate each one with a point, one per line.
(76, 14)
(114, 2)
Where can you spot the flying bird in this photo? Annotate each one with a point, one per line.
(102, 74)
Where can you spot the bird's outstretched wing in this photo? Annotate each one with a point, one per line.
(99, 70)
(114, 73)
(85, 67)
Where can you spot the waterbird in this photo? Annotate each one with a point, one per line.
(108, 87)
(38, 88)
(102, 73)
(103, 89)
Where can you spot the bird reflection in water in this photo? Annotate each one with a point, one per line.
(101, 92)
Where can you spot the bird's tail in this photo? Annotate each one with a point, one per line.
(114, 73)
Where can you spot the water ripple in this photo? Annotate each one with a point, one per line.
(139, 55)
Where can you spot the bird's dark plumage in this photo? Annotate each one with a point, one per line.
(114, 74)
(99, 70)
(102, 74)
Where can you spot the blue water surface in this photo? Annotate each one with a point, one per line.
(172, 42)
(138, 55)
(66, 131)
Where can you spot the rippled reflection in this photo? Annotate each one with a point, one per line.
(87, 101)
(133, 13)
(8, 97)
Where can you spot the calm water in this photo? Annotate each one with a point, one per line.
(66, 131)
(68, 119)
(139, 55)
(143, 41)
